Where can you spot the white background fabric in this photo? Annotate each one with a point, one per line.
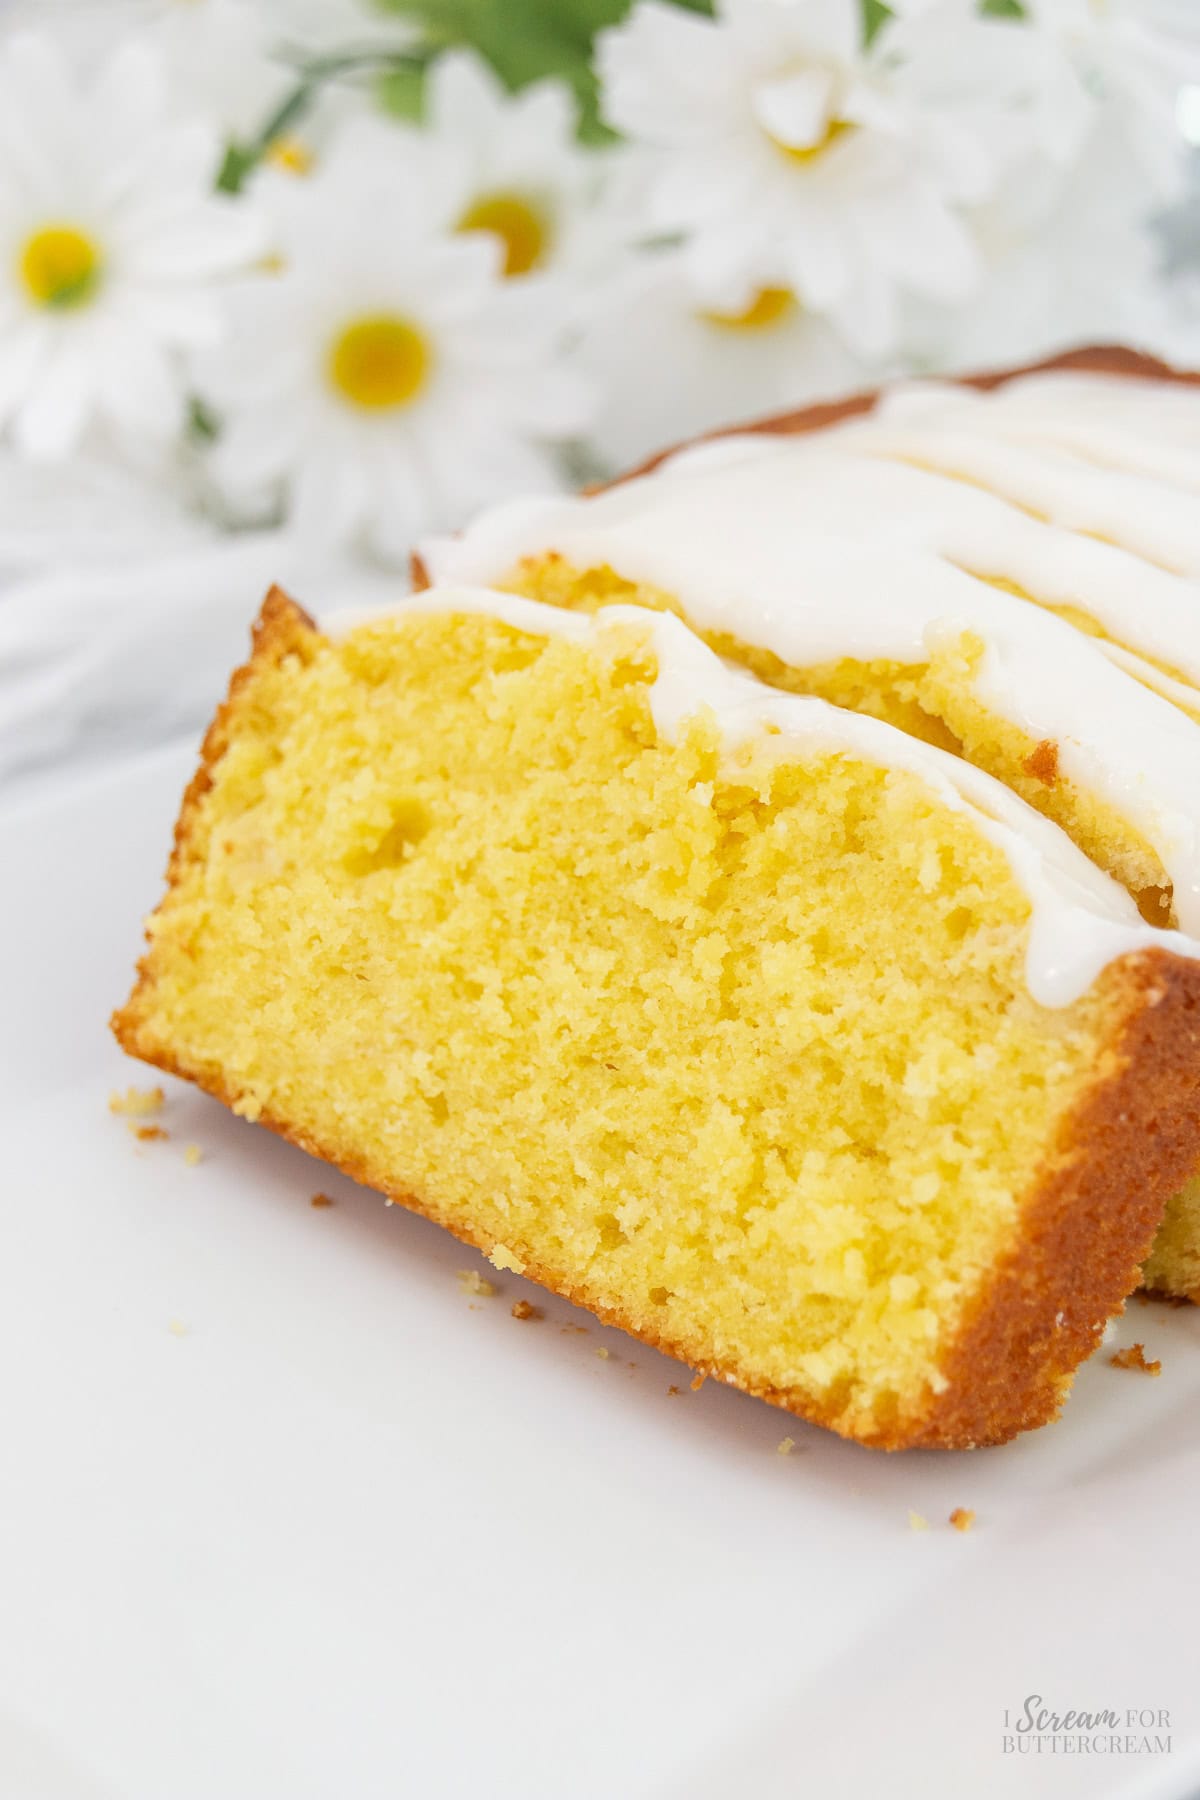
(121, 616)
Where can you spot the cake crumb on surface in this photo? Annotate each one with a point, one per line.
(322, 1200)
(1135, 1358)
(136, 1103)
(602, 1353)
(147, 1134)
(192, 1154)
(472, 1282)
(522, 1309)
(177, 1328)
(501, 1257)
(697, 1383)
(917, 1521)
(785, 1446)
(672, 1389)
(962, 1518)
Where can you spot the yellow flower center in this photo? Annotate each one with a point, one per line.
(836, 128)
(60, 266)
(380, 362)
(290, 155)
(521, 228)
(768, 307)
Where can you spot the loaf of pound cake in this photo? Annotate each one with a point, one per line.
(790, 1041)
(1008, 568)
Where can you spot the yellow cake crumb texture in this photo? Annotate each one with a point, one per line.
(760, 1076)
(136, 1103)
(938, 700)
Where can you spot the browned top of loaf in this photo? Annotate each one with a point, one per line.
(1096, 359)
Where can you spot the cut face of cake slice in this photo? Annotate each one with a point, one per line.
(791, 1044)
(1014, 576)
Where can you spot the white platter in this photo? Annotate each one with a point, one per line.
(356, 1533)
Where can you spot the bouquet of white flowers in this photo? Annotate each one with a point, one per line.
(365, 269)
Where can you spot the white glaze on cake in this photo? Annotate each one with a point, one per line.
(874, 538)
(1080, 920)
(1144, 427)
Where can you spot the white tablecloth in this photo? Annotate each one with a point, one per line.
(121, 615)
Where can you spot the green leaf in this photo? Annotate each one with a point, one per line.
(875, 16)
(1003, 9)
(531, 40)
(401, 92)
(202, 424)
(236, 164)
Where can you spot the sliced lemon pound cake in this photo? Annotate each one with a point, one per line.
(792, 1044)
(1013, 575)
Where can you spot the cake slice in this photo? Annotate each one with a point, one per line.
(791, 1044)
(1012, 574)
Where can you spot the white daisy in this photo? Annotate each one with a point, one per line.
(1067, 240)
(220, 58)
(667, 367)
(387, 380)
(788, 154)
(1074, 261)
(234, 62)
(510, 164)
(111, 243)
(1134, 57)
(351, 40)
(217, 51)
(310, 27)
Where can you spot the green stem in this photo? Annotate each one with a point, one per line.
(242, 159)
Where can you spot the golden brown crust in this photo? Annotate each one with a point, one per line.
(1090, 1221)
(1096, 359)
(1086, 1227)
(281, 628)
